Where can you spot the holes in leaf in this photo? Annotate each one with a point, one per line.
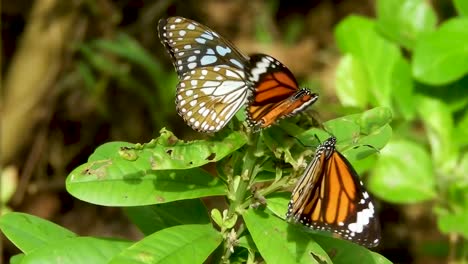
(212, 156)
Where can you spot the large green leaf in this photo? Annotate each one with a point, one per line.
(168, 152)
(279, 244)
(177, 244)
(405, 20)
(342, 251)
(152, 218)
(376, 64)
(404, 173)
(438, 121)
(352, 82)
(111, 184)
(30, 232)
(77, 250)
(442, 56)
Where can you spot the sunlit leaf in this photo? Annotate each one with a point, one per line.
(29, 232)
(279, 243)
(177, 244)
(77, 250)
(404, 173)
(378, 57)
(441, 57)
(438, 121)
(352, 83)
(109, 184)
(405, 20)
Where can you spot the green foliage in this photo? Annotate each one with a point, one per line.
(175, 244)
(105, 61)
(39, 232)
(427, 86)
(442, 56)
(160, 184)
(407, 67)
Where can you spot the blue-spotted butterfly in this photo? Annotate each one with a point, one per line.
(216, 79)
(329, 196)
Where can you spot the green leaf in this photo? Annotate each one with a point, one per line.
(374, 119)
(453, 220)
(352, 82)
(403, 173)
(342, 251)
(405, 20)
(247, 242)
(77, 250)
(30, 232)
(403, 86)
(354, 132)
(16, 259)
(217, 217)
(277, 203)
(461, 6)
(280, 145)
(438, 121)
(379, 57)
(177, 244)
(442, 56)
(150, 219)
(279, 242)
(168, 152)
(454, 223)
(106, 183)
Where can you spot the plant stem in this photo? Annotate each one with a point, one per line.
(240, 188)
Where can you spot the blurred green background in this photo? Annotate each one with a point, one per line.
(77, 74)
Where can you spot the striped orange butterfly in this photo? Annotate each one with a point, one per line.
(329, 196)
(216, 79)
(276, 92)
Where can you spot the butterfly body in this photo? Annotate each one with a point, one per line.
(329, 196)
(216, 79)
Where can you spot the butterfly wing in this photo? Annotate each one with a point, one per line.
(213, 85)
(276, 92)
(338, 201)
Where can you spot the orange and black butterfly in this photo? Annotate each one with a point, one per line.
(216, 79)
(329, 196)
(276, 94)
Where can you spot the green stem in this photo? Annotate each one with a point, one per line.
(248, 173)
(265, 191)
(239, 189)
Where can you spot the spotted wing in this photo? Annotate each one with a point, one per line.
(192, 45)
(209, 97)
(276, 94)
(330, 197)
(213, 85)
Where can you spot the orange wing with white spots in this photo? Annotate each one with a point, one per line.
(330, 197)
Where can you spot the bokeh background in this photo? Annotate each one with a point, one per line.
(77, 74)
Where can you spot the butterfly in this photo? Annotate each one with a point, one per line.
(216, 79)
(329, 196)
